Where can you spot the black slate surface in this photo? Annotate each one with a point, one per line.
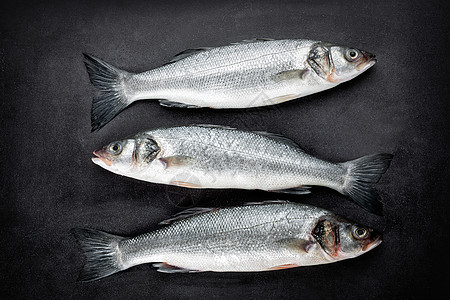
(49, 184)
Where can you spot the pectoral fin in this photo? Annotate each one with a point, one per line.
(290, 74)
(176, 161)
(297, 245)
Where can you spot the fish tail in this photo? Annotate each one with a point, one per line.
(103, 256)
(111, 98)
(361, 174)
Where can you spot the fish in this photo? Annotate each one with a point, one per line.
(253, 237)
(219, 157)
(252, 73)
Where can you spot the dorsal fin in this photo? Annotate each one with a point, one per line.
(188, 52)
(266, 202)
(255, 40)
(187, 214)
(274, 136)
(280, 138)
(195, 211)
(214, 126)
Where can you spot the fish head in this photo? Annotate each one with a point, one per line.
(337, 64)
(127, 156)
(342, 239)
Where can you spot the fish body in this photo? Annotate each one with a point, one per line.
(209, 156)
(252, 73)
(251, 238)
(233, 76)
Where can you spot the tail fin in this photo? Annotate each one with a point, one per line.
(362, 173)
(111, 99)
(101, 251)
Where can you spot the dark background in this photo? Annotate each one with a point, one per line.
(49, 184)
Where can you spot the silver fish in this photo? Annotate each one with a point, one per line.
(251, 238)
(252, 73)
(210, 156)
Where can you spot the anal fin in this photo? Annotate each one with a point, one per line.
(168, 103)
(185, 184)
(166, 268)
(283, 267)
(175, 161)
(302, 190)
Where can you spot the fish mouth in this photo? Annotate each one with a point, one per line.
(369, 246)
(101, 157)
(367, 61)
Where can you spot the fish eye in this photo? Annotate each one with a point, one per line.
(115, 148)
(359, 232)
(351, 55)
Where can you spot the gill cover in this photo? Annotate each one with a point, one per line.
(327, 235)
(319, 59)
(145, 151)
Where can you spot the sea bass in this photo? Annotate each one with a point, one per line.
(251, 238)
(251, 73)
(217, 157)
